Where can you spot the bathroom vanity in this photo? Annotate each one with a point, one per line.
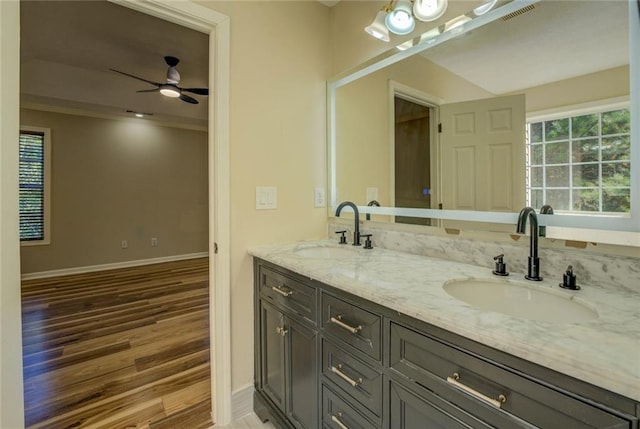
(354, 338)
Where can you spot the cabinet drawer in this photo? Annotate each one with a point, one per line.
(490, 391)
(422, 409)
(355, 377)
(288, 293)
(339, 414)
(355, 326)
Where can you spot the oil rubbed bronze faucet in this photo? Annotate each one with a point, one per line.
(533, 267)
(371, 204)
(356, 230)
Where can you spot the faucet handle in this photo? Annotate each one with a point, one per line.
(501, 267)
(569, 280)
(343, 238)
(367, 241)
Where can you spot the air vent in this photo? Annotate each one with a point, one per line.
(519, 12)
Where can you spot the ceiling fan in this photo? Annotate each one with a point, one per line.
(170, 88)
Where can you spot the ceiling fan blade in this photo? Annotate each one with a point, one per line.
(188, 99)
(137, 77)
(171, 61)
(200, 91)
(149, 90)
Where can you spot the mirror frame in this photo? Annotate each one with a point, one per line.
(608, 229)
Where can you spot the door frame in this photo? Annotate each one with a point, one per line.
(185, 13)
(397, 89)
(217, 26)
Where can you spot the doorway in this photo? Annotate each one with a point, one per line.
(183, 13)
(413, 187)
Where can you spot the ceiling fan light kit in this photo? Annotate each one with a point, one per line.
(170, 88)
(169, 91)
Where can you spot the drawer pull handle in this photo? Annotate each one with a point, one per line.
(495, 402)
(337, 421)
(353, 329)
(281, 331)
(345, 377)
(285, 293)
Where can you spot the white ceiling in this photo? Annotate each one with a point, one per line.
(557, 40)
(68, 47)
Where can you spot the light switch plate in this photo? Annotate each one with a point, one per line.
(319, 197)
(266, 197)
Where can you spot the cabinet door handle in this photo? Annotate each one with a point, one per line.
(353, 329)
(285, 293)
(281, 331)
(345, 377)
(337, 421)
(495, 402)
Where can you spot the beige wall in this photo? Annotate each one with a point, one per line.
(279, 65)
(583, 89)
(120, 179)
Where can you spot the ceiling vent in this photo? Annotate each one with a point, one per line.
(519, 12)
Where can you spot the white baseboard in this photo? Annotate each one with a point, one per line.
(241, 402)
(102, 267)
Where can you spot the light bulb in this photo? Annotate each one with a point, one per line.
(400, 20)
(429, 10)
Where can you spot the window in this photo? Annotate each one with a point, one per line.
(34, 183)
(581, 163)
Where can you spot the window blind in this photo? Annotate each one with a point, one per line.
(31, 182)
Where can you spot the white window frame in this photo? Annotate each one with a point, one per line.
(599, 106)
(47, 186)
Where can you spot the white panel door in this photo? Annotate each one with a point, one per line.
(483, 154)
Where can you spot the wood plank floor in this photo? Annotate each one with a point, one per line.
(125, 348)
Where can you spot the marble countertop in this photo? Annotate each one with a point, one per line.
(604, 351)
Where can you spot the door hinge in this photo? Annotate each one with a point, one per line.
(215, 248)
(439, 206)
(440, 127)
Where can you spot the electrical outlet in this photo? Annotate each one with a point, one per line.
(372, 194)
(319, 199)
(154, 241)
(125, 244)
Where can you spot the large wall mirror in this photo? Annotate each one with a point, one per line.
(436, 130)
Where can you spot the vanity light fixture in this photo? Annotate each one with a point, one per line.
(456, 24)
(377, 28)
(429, 10)
(399, 17)
(400, 20)
(484, 7)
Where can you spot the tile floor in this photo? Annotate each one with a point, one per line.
(250, 421)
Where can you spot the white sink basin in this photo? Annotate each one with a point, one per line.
(326, 252)
(520, 300)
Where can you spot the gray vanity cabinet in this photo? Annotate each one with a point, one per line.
(287, 359)
(352, 371)
(328, 359)
(493, 393)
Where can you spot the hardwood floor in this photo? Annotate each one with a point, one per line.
(126, 348)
